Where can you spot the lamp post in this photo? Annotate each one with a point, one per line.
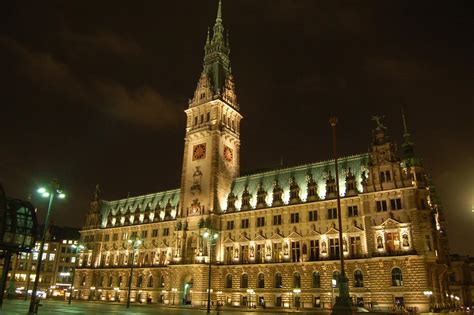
(30, 255)
(136, 242)
(51, 192)
(77, 250)
(297, 292)
(174, 290)
(343, 303)
(428, 294)
(210, 237)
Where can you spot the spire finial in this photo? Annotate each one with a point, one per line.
(208, 39)
(405, 129)
(219, 12)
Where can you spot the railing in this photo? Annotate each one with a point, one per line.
(394, 253)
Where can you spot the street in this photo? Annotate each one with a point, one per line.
(15, 307)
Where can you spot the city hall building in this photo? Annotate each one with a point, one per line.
(270, 238)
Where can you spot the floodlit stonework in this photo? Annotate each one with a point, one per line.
(276, 231)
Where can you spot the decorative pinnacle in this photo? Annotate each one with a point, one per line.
(333, 121)
(219, 12)
(405, 129)
(208, 39)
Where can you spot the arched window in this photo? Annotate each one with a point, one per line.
(335, 279)
(296, 280)
(278, 280)
(161, 281)
(139, 281)
(358, 279)
(316, 280)
(244, 281)
(228, 281)
(397, 277)
(150, 282)
(261, 281)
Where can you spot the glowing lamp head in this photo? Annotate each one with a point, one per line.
(41, 190)
(62, 196)
(45, 194)
(215, 236)
(206, 234)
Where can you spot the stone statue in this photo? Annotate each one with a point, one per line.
(378, 121)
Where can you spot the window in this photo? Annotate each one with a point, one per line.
(230, 225)
(228, 281)
(124, 236)
(261, 281)
(260, 221)
(316, 280)
(381, 205)
(115, 237)
(277, 219)
(228, 255)
(144, 234)
(388, 176)
(208, 116)
(397, 277)
(395, 204)
(202, 118)
(278, 280)
(106, 239)
(313, 250)
(154, 233)
(352, 211)
(335, 279)
(295, 251)
(382, 177)
(244, 281)
(133, 235)
(295, 217)
(161, 281)
(355, 245)
(166, 231)
(334, 248)
(296, 280)
(150, 282)
(332, 213)
(313, 215)
(109, 284)
(139, 281)
(358, 279)
(244, 250)
(244, 224)
(195, 120)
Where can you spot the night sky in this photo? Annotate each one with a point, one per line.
(94, 91)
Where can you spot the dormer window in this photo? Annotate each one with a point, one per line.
(203, 95)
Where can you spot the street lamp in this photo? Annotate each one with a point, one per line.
(53, 190)
(250, 292)
(297, 292)
(174, 290)
(77, 250)
(135, 243)
(207, 234)
(343, 303)
(428, 294)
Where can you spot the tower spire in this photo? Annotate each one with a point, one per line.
(408, 145)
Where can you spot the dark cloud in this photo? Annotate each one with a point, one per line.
(141, 105)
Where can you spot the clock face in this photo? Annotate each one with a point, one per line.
(199, 151)
(228, 154)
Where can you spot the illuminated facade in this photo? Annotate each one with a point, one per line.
(57, 266)
(277, 231)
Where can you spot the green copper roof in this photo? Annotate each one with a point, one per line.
(216, 58)
(319, 170)
(140, 203)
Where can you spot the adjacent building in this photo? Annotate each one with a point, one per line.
(272, 236)
(57, 265)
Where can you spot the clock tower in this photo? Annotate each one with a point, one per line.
(212, 143)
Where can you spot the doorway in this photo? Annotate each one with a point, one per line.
(188, 290)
